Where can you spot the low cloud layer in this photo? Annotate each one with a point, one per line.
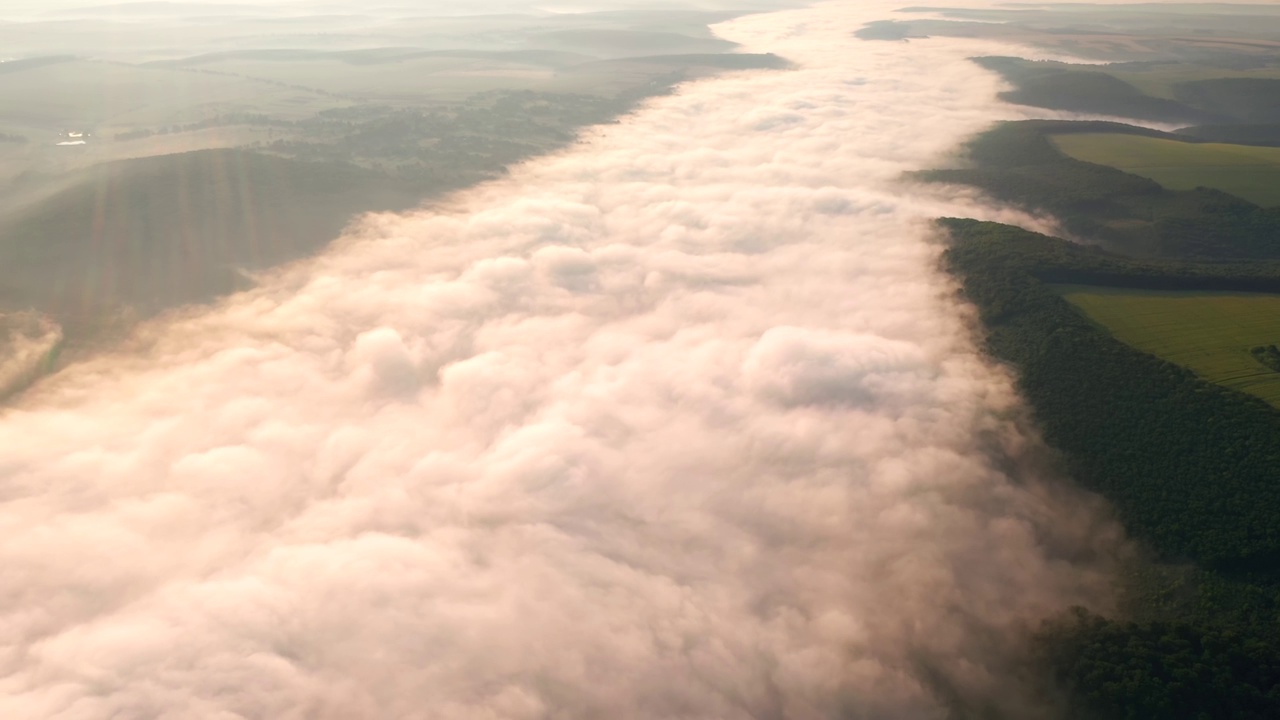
(681, 423)
(27, 340)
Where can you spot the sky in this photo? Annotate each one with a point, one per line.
(682, 422)
(429, 7)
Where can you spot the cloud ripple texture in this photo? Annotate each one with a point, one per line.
(683, 422)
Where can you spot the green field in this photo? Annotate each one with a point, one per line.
(1209, 333)
(1161, 81)
(1252, 173)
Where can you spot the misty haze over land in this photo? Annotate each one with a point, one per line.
(682, 421)
(642, 393)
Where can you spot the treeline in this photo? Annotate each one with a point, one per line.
(1060, 86)
(1017, 163)
(1164, 670)
(1264, 134)
(1248, 100)
(1267, 355)
(431, 149)
(451, 146)
(217, 121)
(1090, 89)
(1192, 469)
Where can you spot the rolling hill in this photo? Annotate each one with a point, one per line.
(153, 233)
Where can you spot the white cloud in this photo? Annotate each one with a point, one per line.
(683, 422)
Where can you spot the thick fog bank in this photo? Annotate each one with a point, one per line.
(682, 423)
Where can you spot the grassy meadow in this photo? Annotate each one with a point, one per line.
(1209, 333)
(1252, 173)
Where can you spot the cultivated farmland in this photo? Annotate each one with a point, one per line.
(1209, 333)
(1162, 80)
(1252, 173)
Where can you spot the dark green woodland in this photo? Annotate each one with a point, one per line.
(1191, 468)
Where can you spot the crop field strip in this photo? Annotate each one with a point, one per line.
(1252, 173)
(1209, 333)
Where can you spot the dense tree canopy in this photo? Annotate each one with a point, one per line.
(1193, 470)
(1017, 163)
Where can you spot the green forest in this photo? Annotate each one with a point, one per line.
(1192, 469)
(1018, 163)
(1188, 460)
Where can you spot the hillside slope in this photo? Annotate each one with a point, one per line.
(153, 233)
